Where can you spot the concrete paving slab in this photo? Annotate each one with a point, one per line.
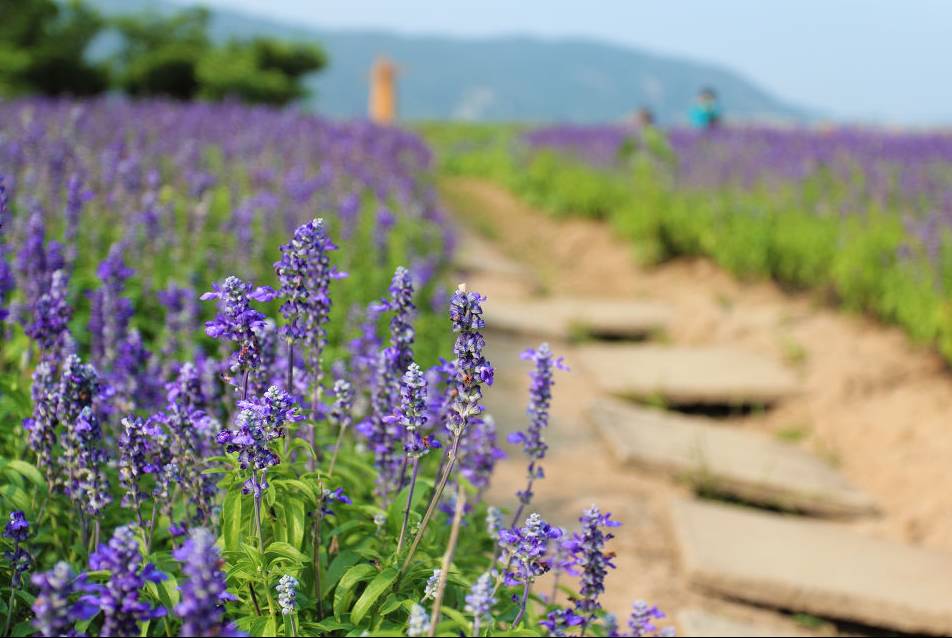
(566, 317)
(820, 568)
(746, 464)
(681, 375)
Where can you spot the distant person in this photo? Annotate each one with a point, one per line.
(645, 117)
(706, 113)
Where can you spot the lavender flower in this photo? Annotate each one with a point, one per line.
(260, 422)
(611, 625)
(480, 600)
(419, 622)
(63, 599)
(204, 590)
(119, 599)
(37, 260)
(287, 594)
(540, 398)
(51, 315)
(412, 416)
(641, 622)
(493, 522)
(238, 322)
(588, 548)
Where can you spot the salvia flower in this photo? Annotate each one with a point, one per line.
(238, 322)
(111, 311)
(63, 598)
(42, 424)
(525, 549)
(494, 522)
(342, 412)
(429, 591)
(51, 315)
(305, 272)
(204, 590)
(260, 422)
(18, 530)
(641, 622)
(610, 622)
(592, 560)
(135, 461)
(287, 594)
(479, 452)
(472, 369)
(480, 599)
(540, 398)
(419, 622)
(330, 496)
(402, 335)
(119, 599)
(559, 621)
(413, 415)
(85, 460)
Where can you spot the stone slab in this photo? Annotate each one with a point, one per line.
(678, 375)
(475, 254)
(820, 568)
(699, 623)
(566, 317)
(743, 463)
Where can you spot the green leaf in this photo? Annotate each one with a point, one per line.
(28, 471)
(390, 605)
(457, 617)
(286, 550)
(344, 561)
(231, 520)
(348, 583)
(295, 520)
(377, 587)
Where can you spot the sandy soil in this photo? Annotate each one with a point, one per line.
(873, 403)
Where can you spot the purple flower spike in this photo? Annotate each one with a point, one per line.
(51, 315)
(63, 599)
(472, 369)
(641, 622)
(204, 590)
(238, 322)
(590, 557)
(119, 599)
(559, 621)
(525, 549)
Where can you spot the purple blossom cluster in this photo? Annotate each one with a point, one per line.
(120, 598)
(204, 591)
(526, 550)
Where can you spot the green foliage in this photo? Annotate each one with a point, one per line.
(791, 234)
(43, 44)
(42, 48)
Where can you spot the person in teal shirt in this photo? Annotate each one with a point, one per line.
(706, 113)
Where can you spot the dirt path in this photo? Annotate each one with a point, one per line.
(873, 404)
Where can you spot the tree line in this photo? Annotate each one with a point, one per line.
(45, 47)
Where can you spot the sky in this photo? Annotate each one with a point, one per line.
(867, 60)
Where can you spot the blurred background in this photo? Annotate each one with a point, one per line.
(878, 63)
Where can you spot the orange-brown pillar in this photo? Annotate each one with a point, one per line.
(383, 98)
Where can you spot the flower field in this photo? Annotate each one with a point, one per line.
(239, 399)
(862, 216)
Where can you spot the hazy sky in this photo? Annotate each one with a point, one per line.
(858, 59)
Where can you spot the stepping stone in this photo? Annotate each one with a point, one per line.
(565, 317)
(477, 255)
(819, 568)
(727, 460)
(686, 375)
(698, 623)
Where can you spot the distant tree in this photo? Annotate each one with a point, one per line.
(261, 71)
(43, 46)
(160, 55)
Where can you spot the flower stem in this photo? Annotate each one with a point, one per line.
(340, 442)
(435, 500)
(522, 605)
(447, 559)
(316, 542)
(406, 510)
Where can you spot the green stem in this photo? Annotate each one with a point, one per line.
(434, 502)
(406, 510)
